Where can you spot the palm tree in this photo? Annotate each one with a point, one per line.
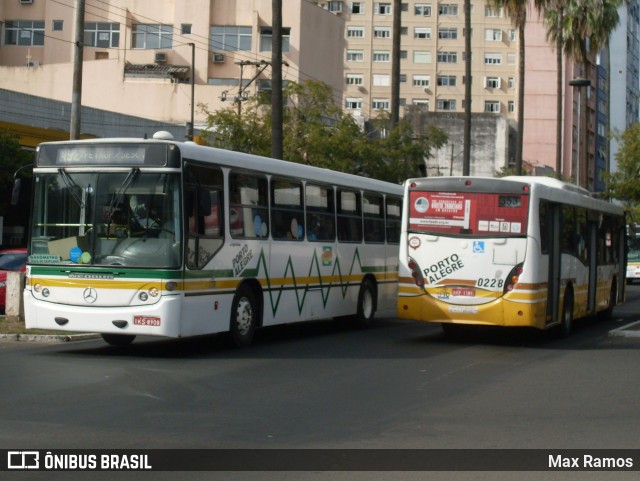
(577, 27)
(517, 10)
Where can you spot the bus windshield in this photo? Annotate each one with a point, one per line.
(468, 213)
(128, 218)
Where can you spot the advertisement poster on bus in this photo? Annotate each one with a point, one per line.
(468, 213)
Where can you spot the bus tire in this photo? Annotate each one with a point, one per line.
(367, 302)
(607, 314)
(244, 317)
(566, 323)
(118, 339)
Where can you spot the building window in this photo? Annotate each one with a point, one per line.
(355, 32)
(446, 104)
(230, 39)
(353, 103)
(492, 12)
(404, 7)
(424, 103)
(355, 55)
(421, 81)
(382, 32)
(446, 80)
(447, 9)
(381, 80)
(57, 25)
(492, 59)
(380, 104)
(335, 6)
(511, 106)
(354, 79)
(422, 32)
(493, 34)
(403, 78)
(421, 56)
(382, 8)
(24, 32)
(381, 56)
(447, 57)
(511, 83)
(403, 54)
(492, 82)
(422, 9)
(491, 106)
(404, 30)
(185, 29)
(149, 36)
(102, 35)
(357, 8)
(266, 39)
(512, 35)
(448, 33)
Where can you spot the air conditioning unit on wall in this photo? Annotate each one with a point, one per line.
(160, 57)
(218, 58)
(26, 1)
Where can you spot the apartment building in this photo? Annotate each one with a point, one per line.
(139, 55)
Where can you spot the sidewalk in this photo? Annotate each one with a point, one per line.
(12, 329)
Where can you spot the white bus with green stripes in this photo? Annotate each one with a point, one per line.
(154, 237)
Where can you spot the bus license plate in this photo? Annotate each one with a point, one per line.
(461, 291)
(146, 321)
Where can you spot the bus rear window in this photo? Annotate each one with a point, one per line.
(467, 213)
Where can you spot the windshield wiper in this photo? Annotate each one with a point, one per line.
(71, 185)
(133, 173)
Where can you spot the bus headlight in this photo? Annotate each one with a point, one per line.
(171, 286)
(153, 292)
(143, 296)
(45, 292)
(37, 287)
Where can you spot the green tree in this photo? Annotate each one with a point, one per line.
(624, 184)
(317, 132)
(578, 28)
(12, 157)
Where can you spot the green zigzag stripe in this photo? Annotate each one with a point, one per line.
(325, 289)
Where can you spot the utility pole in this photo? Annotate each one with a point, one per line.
(76, 95)
(395, 63)
(276, 80)
(193, 90)
(466, 155)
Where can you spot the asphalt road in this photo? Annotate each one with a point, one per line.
(325, 385)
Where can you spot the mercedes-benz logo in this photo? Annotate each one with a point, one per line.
(90, 295)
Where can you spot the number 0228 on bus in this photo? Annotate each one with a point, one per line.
(516, 251)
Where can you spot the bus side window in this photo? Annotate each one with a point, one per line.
(248, 206)
(287, 210)
(349, 216)
(373, 218)
(394, 214)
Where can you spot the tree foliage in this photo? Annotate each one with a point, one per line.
(624, 184)
(317, 132)
(12, 157)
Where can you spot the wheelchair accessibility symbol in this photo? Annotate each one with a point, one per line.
(478, 247)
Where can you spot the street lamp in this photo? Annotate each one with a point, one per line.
(579, 83)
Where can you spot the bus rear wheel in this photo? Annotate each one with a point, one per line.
(566, 324)
(118, 339)
(244, 315)
(367, 301)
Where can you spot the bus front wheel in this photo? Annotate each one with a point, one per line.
(118, 339)
(244, 315)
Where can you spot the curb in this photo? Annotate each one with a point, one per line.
(48, 337)
(630, 330)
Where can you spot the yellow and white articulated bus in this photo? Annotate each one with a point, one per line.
(515, 251)
(156, 237)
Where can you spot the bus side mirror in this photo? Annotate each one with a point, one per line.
(15, 194)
